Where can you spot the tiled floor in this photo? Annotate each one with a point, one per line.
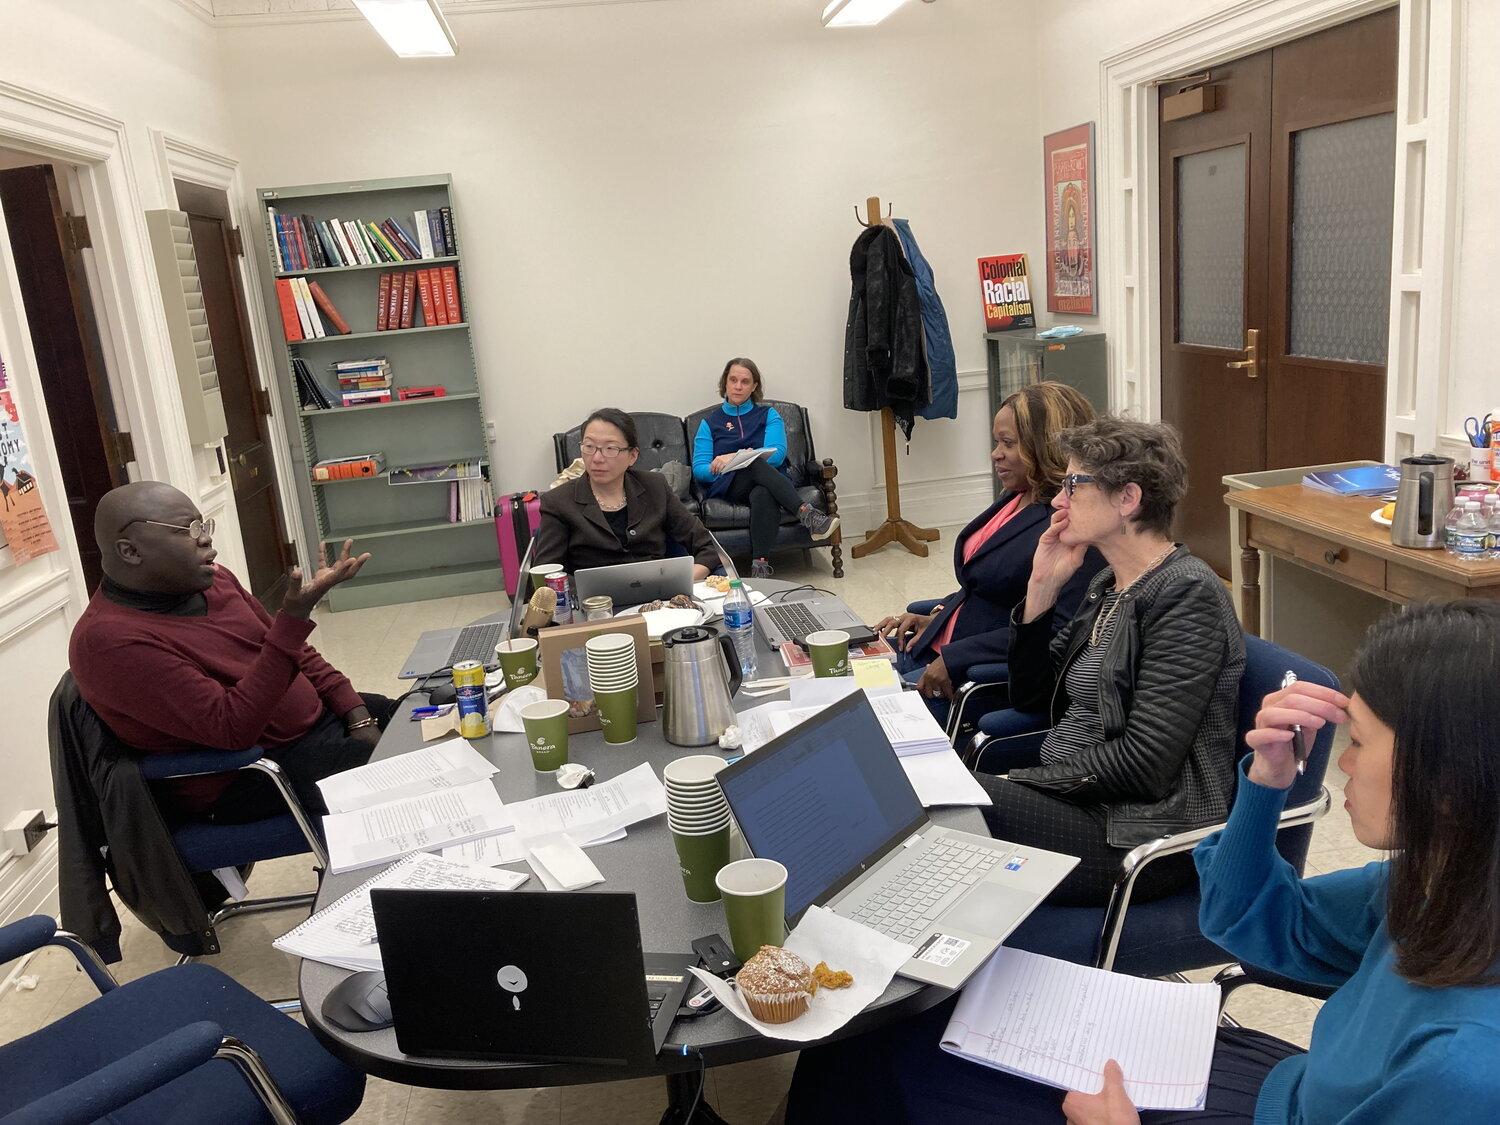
(366, 644)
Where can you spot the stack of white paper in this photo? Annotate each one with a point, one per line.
(343, 933)
(1059, 1023)
(381, 833)
(431, 769)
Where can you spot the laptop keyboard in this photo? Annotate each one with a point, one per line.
(792, 619)
(477, 642)
(907, 904)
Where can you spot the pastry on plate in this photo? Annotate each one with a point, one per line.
(775, 984)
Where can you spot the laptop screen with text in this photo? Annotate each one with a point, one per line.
(825, 799)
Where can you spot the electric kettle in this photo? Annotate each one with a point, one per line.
(1423, 499)
(702, 673)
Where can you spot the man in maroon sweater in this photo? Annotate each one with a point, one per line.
(174, 654)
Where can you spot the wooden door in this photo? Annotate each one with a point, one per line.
(1276, 241)
(247, 407)
(92, 453)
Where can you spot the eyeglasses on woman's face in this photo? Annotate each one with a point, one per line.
(198, 529)
(608, 452)
(1071, 482)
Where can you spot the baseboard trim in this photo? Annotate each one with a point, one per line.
(935, 503)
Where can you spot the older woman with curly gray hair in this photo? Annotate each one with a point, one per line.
(1142, 684)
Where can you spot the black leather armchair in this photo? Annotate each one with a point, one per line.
(664, 437)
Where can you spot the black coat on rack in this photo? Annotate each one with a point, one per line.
(885, 364)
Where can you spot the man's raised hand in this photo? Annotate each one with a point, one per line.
(301, 597)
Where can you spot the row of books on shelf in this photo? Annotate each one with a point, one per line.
(469, 500)
(301, 301)
(305, 243)
(433, 292)
(349, 468)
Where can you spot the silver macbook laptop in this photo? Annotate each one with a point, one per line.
(791, 620)
(525, 976)
(437, 649)
(632, 583)
(830, 801)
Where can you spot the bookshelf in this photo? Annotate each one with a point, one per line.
(416, 550)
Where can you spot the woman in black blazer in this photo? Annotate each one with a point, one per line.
(614, 514)
(993, 563)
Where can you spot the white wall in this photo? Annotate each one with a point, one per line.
(87, 68)
(647, 189)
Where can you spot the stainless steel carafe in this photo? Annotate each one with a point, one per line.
(1423, 499)
(701, 674)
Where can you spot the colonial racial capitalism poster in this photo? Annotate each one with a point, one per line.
(1068, 158)
(1006, 288)
(23, 520)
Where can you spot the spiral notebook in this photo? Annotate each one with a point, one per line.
(343, 933)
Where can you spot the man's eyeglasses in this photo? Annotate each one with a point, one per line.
(198, 529)
(1071, 482)
(608, 452)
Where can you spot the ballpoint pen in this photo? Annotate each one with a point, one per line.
(1299, 740)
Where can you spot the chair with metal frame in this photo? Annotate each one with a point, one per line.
(111, 828)
(1162, 938)
(186, 1043)
(983, 690)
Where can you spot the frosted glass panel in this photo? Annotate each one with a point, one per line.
(1343, 191)
(1211, 248)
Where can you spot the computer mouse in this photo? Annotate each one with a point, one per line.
(359, 1002)
(443, 693)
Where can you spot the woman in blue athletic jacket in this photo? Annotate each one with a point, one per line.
(1412, 943)
(743, 422)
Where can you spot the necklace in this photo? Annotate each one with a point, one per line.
(609, 505)
(1103, 621)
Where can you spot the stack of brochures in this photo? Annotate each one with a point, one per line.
(1364, 480)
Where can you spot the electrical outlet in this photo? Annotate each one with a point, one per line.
(26, 831)
(489, 430)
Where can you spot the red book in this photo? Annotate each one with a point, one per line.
(408, 297)
(430, 314)
(385, 303)
(393, 303)
(340, 325)
(291, 326)
(450, 295)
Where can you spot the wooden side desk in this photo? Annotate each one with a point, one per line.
(1334, 536)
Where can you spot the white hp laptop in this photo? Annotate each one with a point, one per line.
(830, 801)
(632, 583)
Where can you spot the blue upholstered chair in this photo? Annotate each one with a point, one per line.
(1160, 938)
(184, 1044)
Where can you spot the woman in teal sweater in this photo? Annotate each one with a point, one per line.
(1413, 943)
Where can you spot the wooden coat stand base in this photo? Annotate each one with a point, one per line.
(894, 529)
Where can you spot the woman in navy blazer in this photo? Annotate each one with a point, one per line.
(992, 558)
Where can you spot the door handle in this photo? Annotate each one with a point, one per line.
(1251, 362)
(243, 460)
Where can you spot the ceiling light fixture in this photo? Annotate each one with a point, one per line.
(858, 13)
(414, 29)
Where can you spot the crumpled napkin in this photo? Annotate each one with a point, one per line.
(507, 716)
(871, 958)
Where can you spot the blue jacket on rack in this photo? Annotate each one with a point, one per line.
(747, 426)
(940, 358)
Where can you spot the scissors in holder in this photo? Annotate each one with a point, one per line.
(1478, 430)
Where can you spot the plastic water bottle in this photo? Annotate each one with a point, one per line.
(1470, 535)
(1450, 527)
(1494, 526)
(739, 619)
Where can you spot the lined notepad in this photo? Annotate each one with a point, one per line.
(1058, 1023)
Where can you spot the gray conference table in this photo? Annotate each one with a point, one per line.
(644, 863)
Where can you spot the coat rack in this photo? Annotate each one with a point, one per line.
(894, 529)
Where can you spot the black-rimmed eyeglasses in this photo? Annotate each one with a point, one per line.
(198, 529)
(608, 452)
(1071, 482)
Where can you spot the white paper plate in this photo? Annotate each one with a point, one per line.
(1378, 518)
(713, 601)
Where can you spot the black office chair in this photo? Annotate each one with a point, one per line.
(985, 689)
(1162, 938)
(111, 828)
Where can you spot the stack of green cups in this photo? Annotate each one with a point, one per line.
(616, 684)
(698, 816)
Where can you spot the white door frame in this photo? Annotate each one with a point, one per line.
(1423, 238)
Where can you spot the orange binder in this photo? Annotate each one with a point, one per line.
(291, 326)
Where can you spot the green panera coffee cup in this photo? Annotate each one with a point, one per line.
(829, 650)
(539, 574)
(546, 723)
(754, 894)
(617, 711)
(700, 856)
(517, 661)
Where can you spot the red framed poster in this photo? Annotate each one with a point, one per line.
(1068, 164)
